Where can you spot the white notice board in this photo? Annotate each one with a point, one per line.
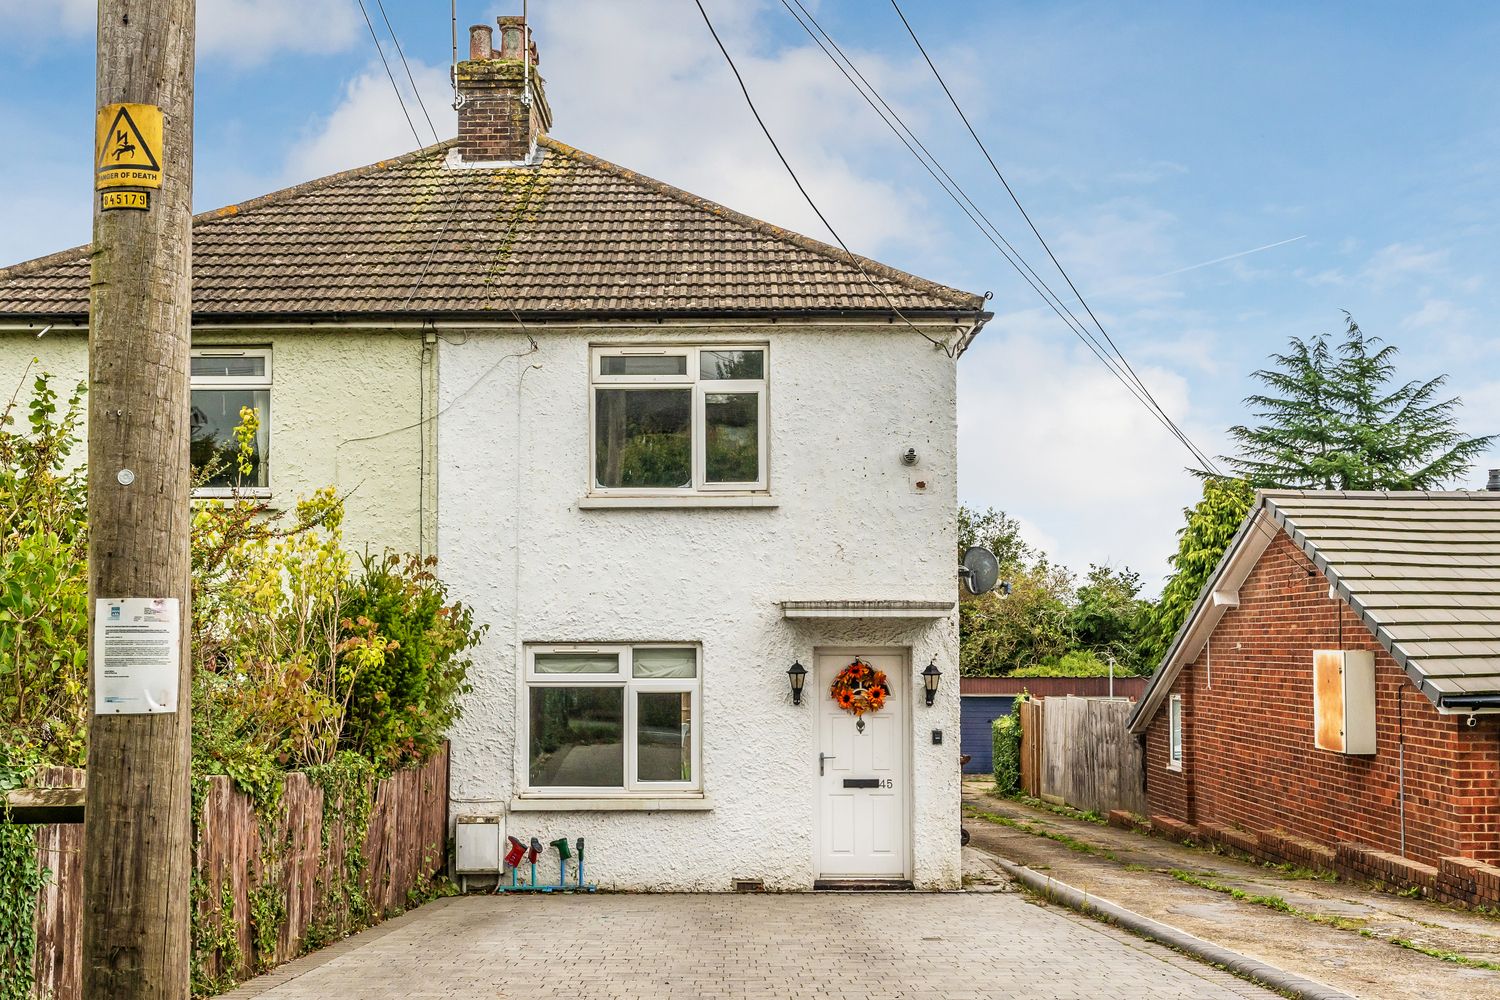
(137, 643)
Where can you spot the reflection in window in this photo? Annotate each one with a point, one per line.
(643, 438)
(731, 436)
(664, 736)
(577, 737)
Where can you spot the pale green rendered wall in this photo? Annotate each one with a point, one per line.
(330, 390)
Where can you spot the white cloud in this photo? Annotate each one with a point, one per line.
(57, 17)
(1046, 433)
(677, 114)
(247, 32)
(1399, 261)
(368, 124)
(239, 32)
(1441, 315)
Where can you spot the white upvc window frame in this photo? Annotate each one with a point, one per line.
(622, 677)
(701, 389)
(265, 381)
(1175, 741)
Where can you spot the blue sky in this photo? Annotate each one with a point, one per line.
(1145, 140)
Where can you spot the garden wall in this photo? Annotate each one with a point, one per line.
(268, 887)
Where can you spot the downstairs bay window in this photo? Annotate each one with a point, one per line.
(678, 420)
(612, 719)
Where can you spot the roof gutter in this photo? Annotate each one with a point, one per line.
(1470, 704)
(494, 319)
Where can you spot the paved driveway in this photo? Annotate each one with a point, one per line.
(829, 946)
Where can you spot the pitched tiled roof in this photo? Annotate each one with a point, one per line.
(1422, 571)
(572, 236)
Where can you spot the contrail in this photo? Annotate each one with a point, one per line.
(1220, 260)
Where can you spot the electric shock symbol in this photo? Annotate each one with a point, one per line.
(123, 146)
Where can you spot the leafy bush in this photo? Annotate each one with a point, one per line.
(43, 581)
(402, 705)
(1006, 744)
(1078, 663)
(1211, 524)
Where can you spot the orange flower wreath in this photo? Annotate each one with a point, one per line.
(860, 688)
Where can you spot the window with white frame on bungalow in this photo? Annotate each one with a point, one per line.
(678, 420)
(225, 383)
(612, 718)
(1174, 732)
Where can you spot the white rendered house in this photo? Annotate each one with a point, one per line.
(700, 451)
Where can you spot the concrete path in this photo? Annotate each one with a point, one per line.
(1337, 933)
(991, 942)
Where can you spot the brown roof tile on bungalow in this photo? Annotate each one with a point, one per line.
(569, 236)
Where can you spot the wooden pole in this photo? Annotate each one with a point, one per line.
(137, 850)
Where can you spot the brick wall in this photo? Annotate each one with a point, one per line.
(1249, 759)
(494, 125)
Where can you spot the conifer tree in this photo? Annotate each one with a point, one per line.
(1335, 418)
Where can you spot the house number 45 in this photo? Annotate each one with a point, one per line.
(887, 783)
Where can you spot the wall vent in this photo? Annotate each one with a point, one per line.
(749, 885)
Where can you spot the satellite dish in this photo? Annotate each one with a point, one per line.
(980, 570)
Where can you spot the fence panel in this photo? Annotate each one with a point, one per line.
(1088, 757)
(404, 847)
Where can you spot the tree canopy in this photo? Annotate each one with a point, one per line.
(1336, 418)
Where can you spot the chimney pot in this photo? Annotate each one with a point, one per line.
(1494, 483)
(481, 41)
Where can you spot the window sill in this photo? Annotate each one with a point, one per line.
(611, 502)
(612, 803)
(225, 493)
(1177, 768)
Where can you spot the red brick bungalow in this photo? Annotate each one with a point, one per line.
(1391, 768)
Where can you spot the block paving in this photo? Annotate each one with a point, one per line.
(987, 944)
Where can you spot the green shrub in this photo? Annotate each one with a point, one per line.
(1079, 663)
(1006, 737)
(401, 707)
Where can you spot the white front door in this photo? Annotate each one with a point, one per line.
(862, 791)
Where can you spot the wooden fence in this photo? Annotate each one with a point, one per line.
(404, 848)
(1079, 751)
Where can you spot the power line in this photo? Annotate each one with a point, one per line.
(955, 191)
(1197, 452)
(399, 99)
(415, 92)
(807, 197)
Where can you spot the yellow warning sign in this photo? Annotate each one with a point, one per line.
(128, 146)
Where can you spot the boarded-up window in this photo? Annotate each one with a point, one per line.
(1328, 699)
(1344, 700)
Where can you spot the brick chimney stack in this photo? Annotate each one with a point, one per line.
(504, 107)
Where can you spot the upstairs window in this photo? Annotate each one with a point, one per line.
(679, 419)
(224, 382)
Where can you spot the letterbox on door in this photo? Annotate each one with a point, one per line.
(1344, 700)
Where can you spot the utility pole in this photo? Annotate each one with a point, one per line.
(137, 816)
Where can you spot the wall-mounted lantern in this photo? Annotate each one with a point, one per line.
(797, 675)
(930, 678)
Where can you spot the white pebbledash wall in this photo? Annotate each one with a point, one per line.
(850, 523)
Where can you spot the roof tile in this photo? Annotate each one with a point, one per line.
(570, 235)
